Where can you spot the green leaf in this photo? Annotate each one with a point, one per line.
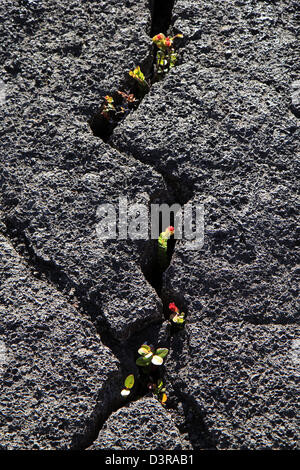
(159, 384)
(143, 361)
(157, 360)
(162, 352)
(129, 381)
(144, 349)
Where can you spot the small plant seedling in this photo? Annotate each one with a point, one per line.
(140, 79)
(176, 317)
(112, 111)
(159, 391)
(163, 246)
(128, 384)
(127, 98)
(166, 56)
(147, 356)
(109, 109)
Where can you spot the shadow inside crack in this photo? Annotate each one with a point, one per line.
(104, 121)
(153, 265)
(161, 12)
(194, 426)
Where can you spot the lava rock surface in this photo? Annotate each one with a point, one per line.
(221, 130)
(142, 424)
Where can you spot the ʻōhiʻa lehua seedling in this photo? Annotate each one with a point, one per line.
(176, 317)
(147, 356)
(128, 384)
(163, 246)
(159, 391)
(166, 57)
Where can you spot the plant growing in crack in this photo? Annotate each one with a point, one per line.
(166, 57)
(113, 111)
(176, 317)
(140, 79)
(159, 390)
(163, 246)
(128, 384)
(149, 357)
(109, 109)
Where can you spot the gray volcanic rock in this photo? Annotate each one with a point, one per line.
(54, 173)
(56, 213)
(242, 380)
(143, 424)
(256, 39)
(225, 137)
(56, 377)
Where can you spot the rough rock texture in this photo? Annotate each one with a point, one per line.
(56, 377)
(141, 425)
(242, 380)
(57, 215)
(243, 167)
(255, 38)
(222, 130)
(223, 127)
(54, 173)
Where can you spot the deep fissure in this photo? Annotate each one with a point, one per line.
(126, 352)
(161, 13)
(101, 126)
(161, 20)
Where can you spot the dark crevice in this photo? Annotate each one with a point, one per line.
(48, 271)
(103, 127)
(154, 334)
(161, 16)
(127, 355)
(154, 272)
(126, 352)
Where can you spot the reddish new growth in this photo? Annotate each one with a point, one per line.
(176, 317)
(173, 307)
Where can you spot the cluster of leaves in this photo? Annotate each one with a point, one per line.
(149, 360)
(140, 79)
(113, 111)
(163, 246)
(176, 317)
(159, 390)
(147, 356)
(166, 57)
